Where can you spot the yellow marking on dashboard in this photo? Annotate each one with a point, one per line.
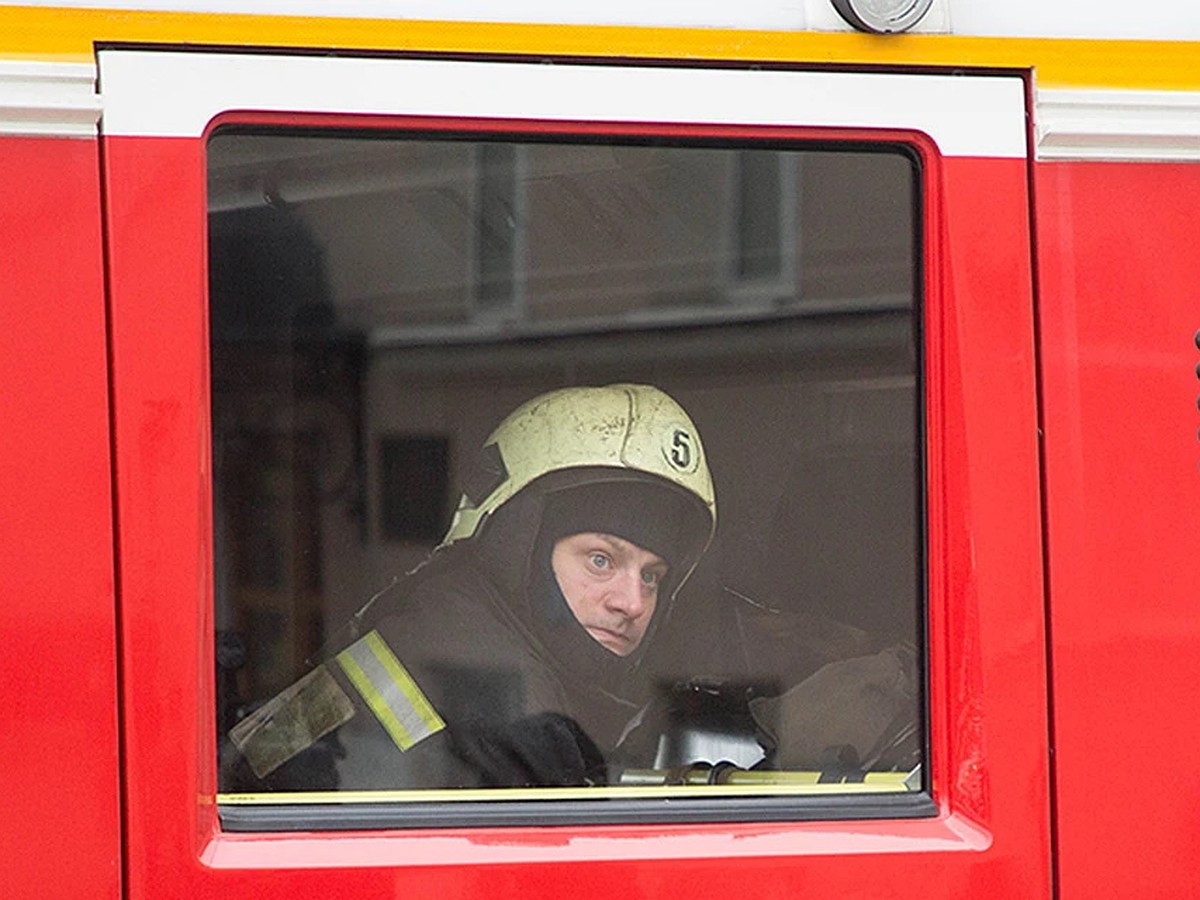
(493, 795)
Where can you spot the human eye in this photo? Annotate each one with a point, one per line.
(651, 577)
(599, 560)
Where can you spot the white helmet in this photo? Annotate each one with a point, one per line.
(585, 436)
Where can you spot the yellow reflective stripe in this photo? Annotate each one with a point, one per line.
(417, 700)
(390, 692)
(375, 700)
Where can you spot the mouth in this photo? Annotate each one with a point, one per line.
(615, 641)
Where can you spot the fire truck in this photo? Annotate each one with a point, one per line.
(924, 272)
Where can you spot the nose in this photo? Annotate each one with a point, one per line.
(626, 595)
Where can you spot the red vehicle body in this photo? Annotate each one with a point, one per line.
(1060, 381)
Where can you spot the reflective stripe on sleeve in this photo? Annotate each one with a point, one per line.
(391, 693)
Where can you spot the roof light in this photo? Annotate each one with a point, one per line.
(882, 16)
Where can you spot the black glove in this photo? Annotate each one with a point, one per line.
(545, 750)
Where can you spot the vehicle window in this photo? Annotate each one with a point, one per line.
(565, 468)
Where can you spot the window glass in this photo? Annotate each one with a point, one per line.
(565, 464)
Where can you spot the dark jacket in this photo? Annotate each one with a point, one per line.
(517, 710)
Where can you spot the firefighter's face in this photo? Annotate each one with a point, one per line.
(611, 586)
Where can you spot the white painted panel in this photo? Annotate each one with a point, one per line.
(178, 94)
(48, 99)
(767, 14)
(1175, 20)
(1117, 125)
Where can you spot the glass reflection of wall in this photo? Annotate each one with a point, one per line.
(374, 297)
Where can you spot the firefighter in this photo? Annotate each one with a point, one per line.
(513, 656)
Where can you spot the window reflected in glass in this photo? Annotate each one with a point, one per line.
(562, 464)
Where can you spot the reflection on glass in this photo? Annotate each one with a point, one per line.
(426, 581)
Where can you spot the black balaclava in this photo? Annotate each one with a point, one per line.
(516, 549)
(652, 517)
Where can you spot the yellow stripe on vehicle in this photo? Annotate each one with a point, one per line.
(58, 33)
